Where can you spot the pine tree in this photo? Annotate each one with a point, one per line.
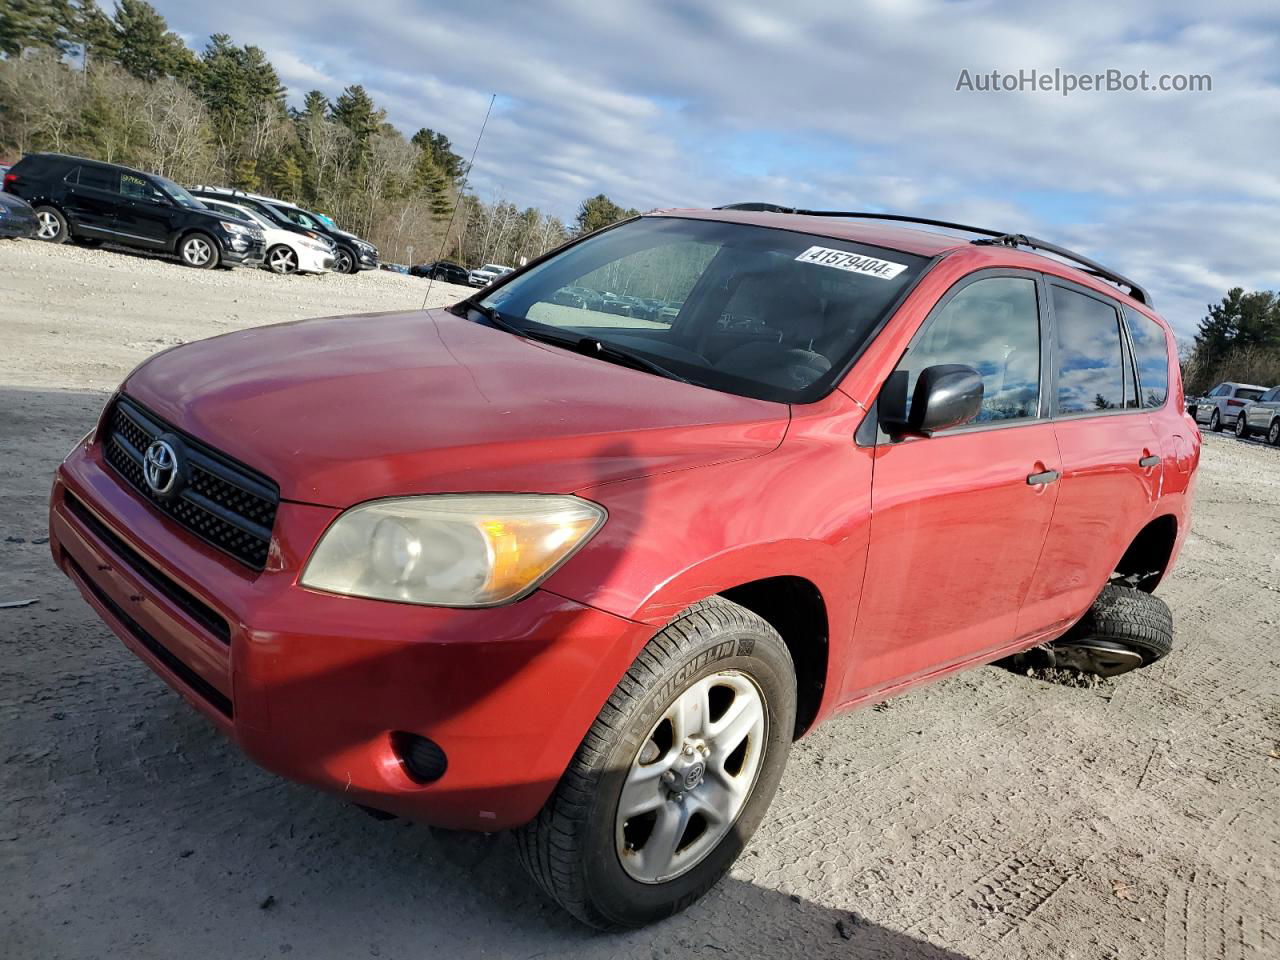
(597, 212)
(356, 111)
(441, 150)
(147, 48)
(28, 24)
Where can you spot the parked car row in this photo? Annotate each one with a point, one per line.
(90, 202)
(1246, 408)
(622, 305)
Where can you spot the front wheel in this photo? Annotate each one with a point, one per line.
(199, 251)
(282, 259)
(344, 261)
(1273, 433)
(51, 225)
(1242, 427)
(1215, 422)
(675, 774)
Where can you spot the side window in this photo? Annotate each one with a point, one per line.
(138, 188)
(992, 325)
(1151, 351)
(1091, 356)
(99, 178)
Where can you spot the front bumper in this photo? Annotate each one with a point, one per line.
(314, 261)
(250, 254)
(312, 686)
(367, 259)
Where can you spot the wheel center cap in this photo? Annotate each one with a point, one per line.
(693, 775)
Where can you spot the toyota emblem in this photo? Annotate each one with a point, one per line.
(160, 467)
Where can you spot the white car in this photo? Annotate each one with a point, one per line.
(287, 252)
(1222, 406)
(483, 276)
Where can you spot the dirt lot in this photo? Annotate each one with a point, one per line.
(991, 815)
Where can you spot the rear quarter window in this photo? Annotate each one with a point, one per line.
(1151, 353)
(1245, 393)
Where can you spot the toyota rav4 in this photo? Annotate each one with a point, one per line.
(523, 563)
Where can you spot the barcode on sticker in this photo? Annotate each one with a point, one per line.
(852, 262)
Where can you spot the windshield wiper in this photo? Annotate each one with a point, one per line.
(587, 346)
(592, 347)
(496, 319)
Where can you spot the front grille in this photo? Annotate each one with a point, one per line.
(219, 500)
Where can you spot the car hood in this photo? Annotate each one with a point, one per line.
(344, 409)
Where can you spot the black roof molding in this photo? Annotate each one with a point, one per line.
(985, 236)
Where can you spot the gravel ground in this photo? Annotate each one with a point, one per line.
(990, 815)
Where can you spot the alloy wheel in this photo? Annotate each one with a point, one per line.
(1242, 429)
(691, 777)
(283, 260)
(342, 261)
(47, 225)
(1273, 435)
(197, 251)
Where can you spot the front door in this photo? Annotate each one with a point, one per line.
(959, 518)
(146, 212)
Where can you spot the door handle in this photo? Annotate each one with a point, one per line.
(1036, 479)
(1151, 460)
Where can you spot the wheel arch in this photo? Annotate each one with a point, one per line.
(1148, 556)
(795, 607)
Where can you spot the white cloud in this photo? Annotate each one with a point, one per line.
(665, 104)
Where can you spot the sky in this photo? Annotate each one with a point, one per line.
(837, 104)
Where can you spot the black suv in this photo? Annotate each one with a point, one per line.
(92, 202)
(351, 254)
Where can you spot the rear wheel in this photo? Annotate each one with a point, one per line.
(51, 225)
(282, 259)
(675, 774)
(198, 250)
(344, 261)
(1242, 427)
(1215, 422)
(1126, 628)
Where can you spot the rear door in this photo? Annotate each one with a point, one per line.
(959, 518)
(1111, 458)
(92, 199)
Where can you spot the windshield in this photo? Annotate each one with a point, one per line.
(177, 194)
(494, 268)
(749, 310)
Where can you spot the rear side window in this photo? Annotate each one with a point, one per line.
(1151, 353)
(1091, 356)
(99, 178)
(992, 325)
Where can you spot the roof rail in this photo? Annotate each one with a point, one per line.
(986, 236)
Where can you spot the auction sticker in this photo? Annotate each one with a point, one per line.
(852, 262)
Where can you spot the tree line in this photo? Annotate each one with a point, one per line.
(122, 87)
(1237, 340)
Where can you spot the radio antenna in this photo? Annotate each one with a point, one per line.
(457, 202)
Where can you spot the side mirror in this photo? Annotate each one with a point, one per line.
(946, 395)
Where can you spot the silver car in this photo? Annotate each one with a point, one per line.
(1261, 416)
(1222, 405)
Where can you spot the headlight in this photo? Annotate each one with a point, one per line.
(236, 228)
(452, 550)
(313, 245)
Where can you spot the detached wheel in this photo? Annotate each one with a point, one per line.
(1242, 427)
(282, 259)
(51, 225)
(1215, 422)
(344, 261)
(198, 250)
(675, 774)
(1123, 630)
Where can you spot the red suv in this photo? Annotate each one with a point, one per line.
(524, 563)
